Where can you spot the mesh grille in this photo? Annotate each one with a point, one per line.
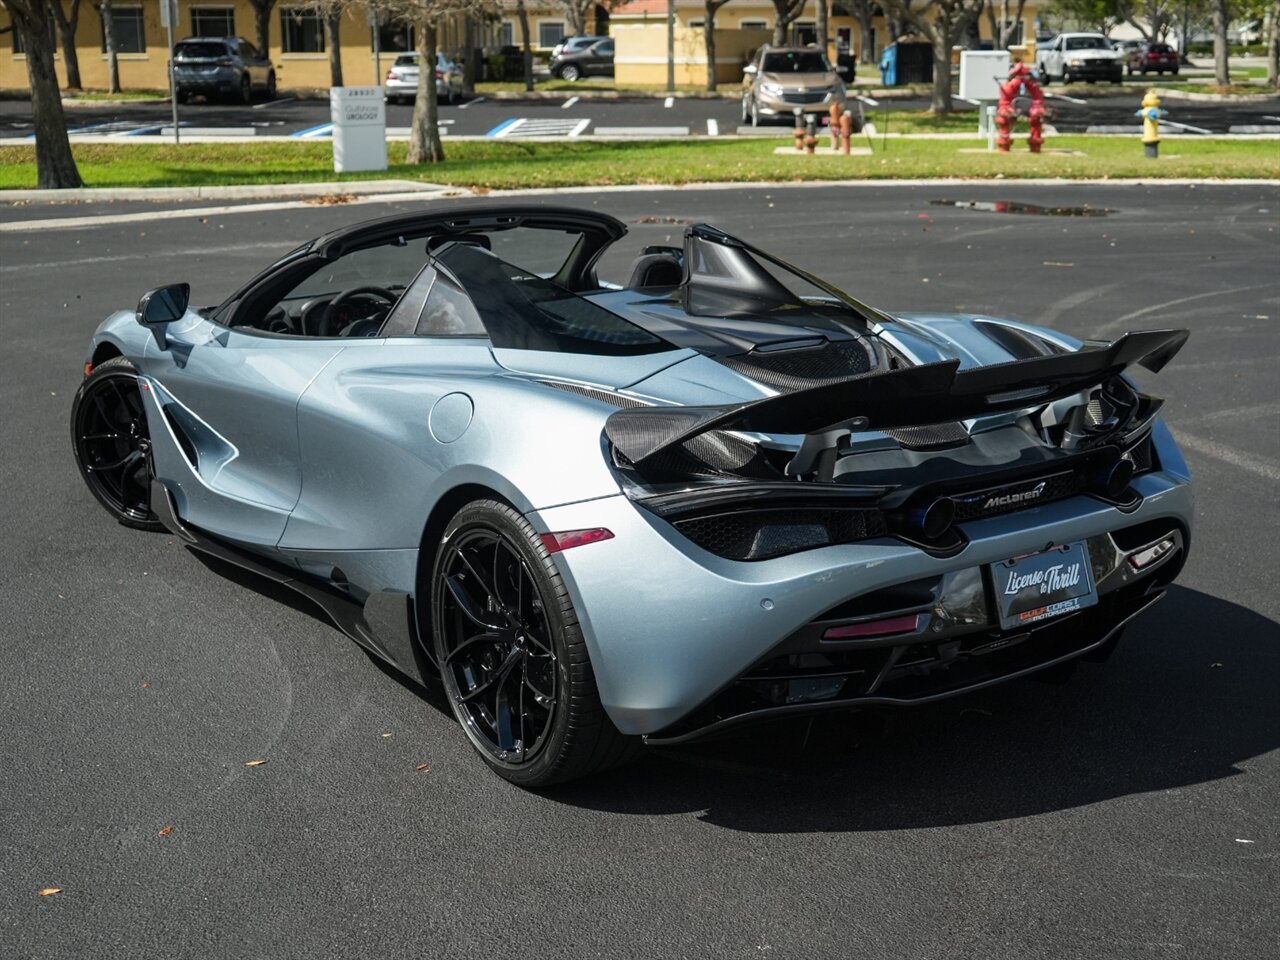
(762, 534)
(595, 393)
(930, 437)
(792, 370)
(1140, 454)
(809, 96)
(994, 501)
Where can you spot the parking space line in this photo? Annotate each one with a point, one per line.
(463, 106)
(569, 103)
(582, 125)
(272, 103)
(669, 102)
(713, 128)
(869, 101)
(502, 128)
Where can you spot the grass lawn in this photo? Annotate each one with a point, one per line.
(508, 165)
(94, 96)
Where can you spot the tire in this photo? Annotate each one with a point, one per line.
(755, 113)
(112, 445)
(746, 111)
(271, 85)
(496, 653)
(246, 90)
(570, 72)
(1173, 72)
(1044, 76)
(1066, 76)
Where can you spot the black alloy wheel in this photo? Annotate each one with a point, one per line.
(511, 653)
(112, 444)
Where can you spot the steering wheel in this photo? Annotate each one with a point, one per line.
(336, 319)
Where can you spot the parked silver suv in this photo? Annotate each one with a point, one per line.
(780, 80)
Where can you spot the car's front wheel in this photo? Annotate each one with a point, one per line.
(511, 653)
(570, 72)
(112, 444)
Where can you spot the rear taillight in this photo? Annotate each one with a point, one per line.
(555, 542)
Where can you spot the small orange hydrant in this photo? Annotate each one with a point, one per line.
(1020, 96)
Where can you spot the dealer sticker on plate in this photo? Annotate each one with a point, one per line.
(1043, 585)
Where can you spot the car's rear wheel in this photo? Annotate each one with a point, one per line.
(271, 86)
(246, 90)
(511, 653)
(111, 442)
(570, 72)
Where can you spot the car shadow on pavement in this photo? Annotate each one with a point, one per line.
(1189, 695)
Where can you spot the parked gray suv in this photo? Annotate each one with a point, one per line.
(221, 66)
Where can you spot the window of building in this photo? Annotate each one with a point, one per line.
(804, 34)
(130, 31)
(508, 34)
(697, 24)
(213, 22)
(754, 25)
(396, 37)
(302, 31)
(550, 32)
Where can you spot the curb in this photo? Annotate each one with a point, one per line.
(252, 191)
(1169, 93)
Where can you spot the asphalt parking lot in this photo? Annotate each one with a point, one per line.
(566, 115)
(1128, 813)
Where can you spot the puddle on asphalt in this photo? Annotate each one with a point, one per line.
(1028, 209)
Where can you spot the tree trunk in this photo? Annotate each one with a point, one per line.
(577, 16)
(709, 37)
(1273, 49)
(333, 40)
(821, 26)
(1221, 19)
(67, 26)
(940, 41)
(424, 138)
(109, 35)
(866, 26)
(523, 15)
(55, 165)
(262, 23)
(470, 64)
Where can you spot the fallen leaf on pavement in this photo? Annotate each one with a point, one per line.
(49, 891)
(254, 763)
(423, 768)
(166, 831)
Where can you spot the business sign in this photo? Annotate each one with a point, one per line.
(359, 117)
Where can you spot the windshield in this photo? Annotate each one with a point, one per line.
(1088, 43)
(526, 312)
(795, 61)
(206, 50)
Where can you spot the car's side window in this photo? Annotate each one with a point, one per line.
(449, 312)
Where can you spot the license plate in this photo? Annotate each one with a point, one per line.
(1043, 585)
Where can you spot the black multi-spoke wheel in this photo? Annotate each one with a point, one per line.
(111, 442)
(511, 653)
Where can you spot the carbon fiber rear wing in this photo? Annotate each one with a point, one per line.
(910, 397)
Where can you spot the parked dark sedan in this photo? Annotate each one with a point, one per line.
(573, 64)
(225, 66)
(1158, 57)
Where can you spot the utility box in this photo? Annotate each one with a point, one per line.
(982, 72)
(359, 117)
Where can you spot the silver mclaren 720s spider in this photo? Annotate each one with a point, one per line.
(606, 514)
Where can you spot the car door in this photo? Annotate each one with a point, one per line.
(228, 399)
(602, 62)
(255, 63)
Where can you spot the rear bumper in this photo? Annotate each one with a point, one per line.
(672, 628)
(223, 80)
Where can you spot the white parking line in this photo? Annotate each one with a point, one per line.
(569, 103)
(713, 128)
(869, 101)
(272, 103)
(1061, 96)
(669, 102)
(513, 125)
(582, 125)
(463, 106)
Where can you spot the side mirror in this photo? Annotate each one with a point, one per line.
(163, 306)
(750, 70)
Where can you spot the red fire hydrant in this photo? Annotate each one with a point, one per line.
(1020, 96)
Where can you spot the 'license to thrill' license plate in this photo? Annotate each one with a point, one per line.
(1043, 585)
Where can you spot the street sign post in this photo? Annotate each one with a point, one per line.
(169, 17)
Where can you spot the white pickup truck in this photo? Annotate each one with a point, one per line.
(1080, 56)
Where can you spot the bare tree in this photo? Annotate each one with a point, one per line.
(333, 40)
(1221, 20)
(526, 46)
(109, 39)
(940, 22)
(55, 165)
(711, 8)
(786, 13)
(1273, 48)
(821, 25)
(67, 23)
(865, 11)
(1001, 16)
(262, 21)
(578, 12)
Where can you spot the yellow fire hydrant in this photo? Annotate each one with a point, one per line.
(1151, 114)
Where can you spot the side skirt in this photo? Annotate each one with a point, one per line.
(384, 625)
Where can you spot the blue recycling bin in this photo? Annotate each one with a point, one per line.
(889, 65)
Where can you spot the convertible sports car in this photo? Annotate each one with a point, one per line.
(606, 513)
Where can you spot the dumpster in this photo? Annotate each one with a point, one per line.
(915, 63)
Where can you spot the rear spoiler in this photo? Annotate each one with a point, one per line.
(910, 397)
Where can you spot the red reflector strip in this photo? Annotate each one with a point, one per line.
(875, 628)
(88, 368)
(555, 542)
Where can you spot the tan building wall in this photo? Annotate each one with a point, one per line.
(641, 52)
